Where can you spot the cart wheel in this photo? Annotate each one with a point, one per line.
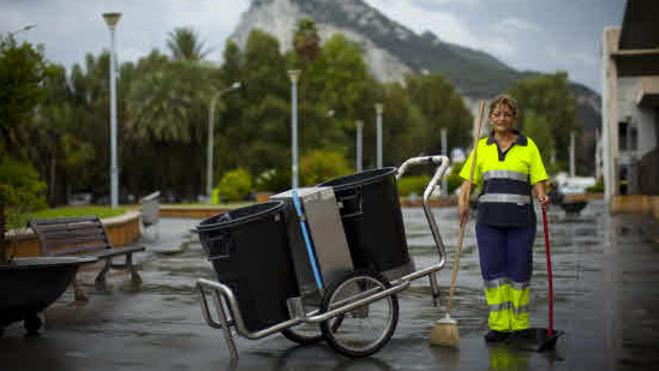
(306, 333)
(310, 333)
(366, 329)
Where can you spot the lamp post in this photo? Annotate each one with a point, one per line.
(112, 19)
(444, 153)
(211, 121)
(358, 145)
(378, 110)
(27, 27)
(294, 75)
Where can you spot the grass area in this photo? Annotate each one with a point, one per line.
(224, 205)
(20, 221)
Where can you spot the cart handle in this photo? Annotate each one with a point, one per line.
(434, 184)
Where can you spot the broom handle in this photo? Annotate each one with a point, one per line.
(461, 232)
(550, 330)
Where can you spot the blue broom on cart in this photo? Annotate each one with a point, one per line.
(297, 204)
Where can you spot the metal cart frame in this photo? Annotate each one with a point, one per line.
(225, 302)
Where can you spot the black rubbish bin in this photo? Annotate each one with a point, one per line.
(249, 251)
(373, 221)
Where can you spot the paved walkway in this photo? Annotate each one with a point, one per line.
(607, 301)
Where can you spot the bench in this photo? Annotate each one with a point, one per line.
(83, 236)
(150, 206)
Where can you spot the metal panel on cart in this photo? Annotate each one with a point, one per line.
(326, 230)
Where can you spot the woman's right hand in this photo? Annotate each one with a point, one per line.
(463, 202)
(463, 210)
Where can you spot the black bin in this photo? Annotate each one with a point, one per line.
(249, 251)
(372, 219)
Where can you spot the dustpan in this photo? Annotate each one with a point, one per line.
(540, 339)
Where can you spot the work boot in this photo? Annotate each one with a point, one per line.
(494, 336)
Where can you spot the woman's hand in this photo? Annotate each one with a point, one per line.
(540, 194)
(463, 203)
(463, 210)
(543, 199)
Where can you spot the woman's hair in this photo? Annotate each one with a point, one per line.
(504, 99)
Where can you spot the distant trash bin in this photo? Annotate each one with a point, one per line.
(249, 251)
(373, 221)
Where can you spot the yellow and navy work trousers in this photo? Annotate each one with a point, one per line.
(506, 258)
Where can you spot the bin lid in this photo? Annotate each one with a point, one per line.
(241, 215)
(362, 178)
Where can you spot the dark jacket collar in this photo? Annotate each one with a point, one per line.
(521, 139)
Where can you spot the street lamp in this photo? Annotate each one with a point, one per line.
(358, 146)
(378, 110)
(111, 19)
(294, 75)
(211, 120)
(27, 27)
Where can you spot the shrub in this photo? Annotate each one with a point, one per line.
(273, 180)
(321, 165)
(23, 189)
(597, 188)
(235, 185)
(413, 184)
(453, 179)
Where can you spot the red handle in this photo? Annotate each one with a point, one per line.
(550, 330)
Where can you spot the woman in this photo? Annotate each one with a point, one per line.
(508, 168)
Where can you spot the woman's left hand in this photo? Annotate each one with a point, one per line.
(543, 200)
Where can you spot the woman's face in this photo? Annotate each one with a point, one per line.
(502, 118)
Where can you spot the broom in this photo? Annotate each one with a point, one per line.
(446, 332)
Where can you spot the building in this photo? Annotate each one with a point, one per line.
(630, 102)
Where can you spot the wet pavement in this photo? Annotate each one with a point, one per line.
(606, 284)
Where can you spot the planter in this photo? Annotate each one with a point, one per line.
(29, 285)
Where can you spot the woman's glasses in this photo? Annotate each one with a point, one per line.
(502, 114)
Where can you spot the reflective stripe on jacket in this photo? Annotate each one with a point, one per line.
(506, 179)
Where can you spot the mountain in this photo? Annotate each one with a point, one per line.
(392, 50)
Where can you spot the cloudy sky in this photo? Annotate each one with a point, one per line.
(539, 35)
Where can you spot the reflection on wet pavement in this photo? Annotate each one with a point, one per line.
(606, 280)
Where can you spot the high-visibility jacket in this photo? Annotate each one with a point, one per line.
(506, 179)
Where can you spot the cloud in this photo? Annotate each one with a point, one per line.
(509, 25)
(447, 25)
(69, 29)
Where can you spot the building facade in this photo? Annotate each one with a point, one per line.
(630, 102)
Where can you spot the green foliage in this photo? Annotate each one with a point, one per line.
(453, 179)
(548, 96)
(68, 212)
(321, 165)
(597, 188)
(184, 44)
(306, 41)
(23, 190)
(441, 106)
(22, 70)
(235, 185)
(537, 128)
(413, 184)
(273, 180)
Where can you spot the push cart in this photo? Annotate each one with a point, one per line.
(339, 284)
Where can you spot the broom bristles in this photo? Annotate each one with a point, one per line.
(445, 333)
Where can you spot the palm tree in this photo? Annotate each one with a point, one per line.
(306, 40)
(184, 44)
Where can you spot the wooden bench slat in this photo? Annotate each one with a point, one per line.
(74, 237)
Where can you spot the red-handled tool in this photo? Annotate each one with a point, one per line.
(550, 330)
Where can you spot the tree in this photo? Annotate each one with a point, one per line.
(551, 97)
(537, 128)
(306, 41)
(184, 44)
(441, 107)
(22, 70)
